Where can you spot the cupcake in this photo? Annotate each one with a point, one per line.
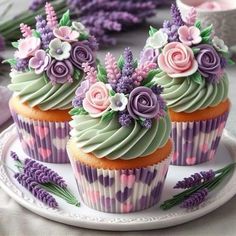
(192, 72)
(120, 146)
(46, 71)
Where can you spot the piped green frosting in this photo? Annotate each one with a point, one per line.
(186, 95)
(37, 90)
(109, 139)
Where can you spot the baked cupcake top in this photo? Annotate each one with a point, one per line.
(192, 62)
(118, 110)
(47, 65)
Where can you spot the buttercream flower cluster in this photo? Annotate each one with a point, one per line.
(54, 49)
(184, 48)
(124, 89)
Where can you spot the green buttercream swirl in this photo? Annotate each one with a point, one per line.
(39, 91)
(185, 95)
(109, 139)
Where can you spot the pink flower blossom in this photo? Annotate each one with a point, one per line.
(66, 33)
(177, 60)
(189, 35)
(40, 61)
(25, 30)
(27, 47)
(96, 101)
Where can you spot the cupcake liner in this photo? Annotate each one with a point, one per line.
(42, 140)
(120, 191)
(196, 142)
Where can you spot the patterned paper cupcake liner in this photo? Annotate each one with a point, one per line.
(120, 191)
(42, 140)
(196, 142)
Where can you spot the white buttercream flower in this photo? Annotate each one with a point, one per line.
(118, 102)
(158, 40)
(219, 44)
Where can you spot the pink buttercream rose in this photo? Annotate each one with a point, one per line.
(96, 101)
(28, 47)
(177, 60)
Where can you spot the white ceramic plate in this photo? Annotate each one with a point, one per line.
(152, 218)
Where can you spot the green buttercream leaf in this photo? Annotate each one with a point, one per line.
(65, 20)
(36, 34)
(112, 93)
(102, 74)
(121, 62)
(230, 61)
(195, 50)
(207, 31)
(12, 62)
(152, 31)
(198, 24)
(83, 36)
(77, 111)
(77, 75)
(15, 44)
(206, 39)
(150, 77)
(108, 115)
(197, 78)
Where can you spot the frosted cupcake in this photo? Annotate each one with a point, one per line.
(46, 71)
(192, 72)
(120, 148)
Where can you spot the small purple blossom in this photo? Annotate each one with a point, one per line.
(77, 102)
(14, 156)
(147, 123)
(157, 89)
(80, 93)
(30, 184)
(125, 119)
(195, 179)
(195, 199)
(148, 55)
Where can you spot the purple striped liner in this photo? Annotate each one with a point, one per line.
(42, 140)
(197, 142)
(120, 191)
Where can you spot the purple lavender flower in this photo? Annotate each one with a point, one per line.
(52, 175)
(147, 123)
(124, 118)
(170, 27)
(30, 184)
(22, 65)
(37, 174)
(14, 156)
(195, 199)
(77, 102)
(44, 30)
(158, 89)
(36, 4)
(125, 83)
(195, 179)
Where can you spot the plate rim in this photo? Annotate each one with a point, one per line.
(100, 223)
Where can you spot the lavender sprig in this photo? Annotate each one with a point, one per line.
(210, 185)
(53, 177)
(40, 181)
(195, 179)
(195, 199)
(38, 192)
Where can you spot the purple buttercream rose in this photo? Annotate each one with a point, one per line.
(148, 55)
(143, 102)
(80, 54)
(209, 63)
(60, 72)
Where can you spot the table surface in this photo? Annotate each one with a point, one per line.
(15, 220)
